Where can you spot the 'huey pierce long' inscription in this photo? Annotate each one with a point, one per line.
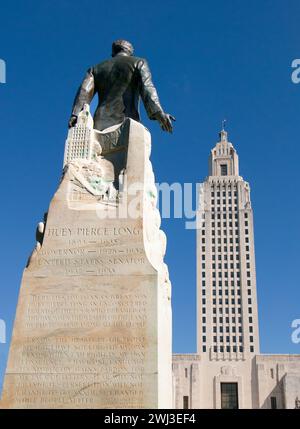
(93, 231)
(92, 250)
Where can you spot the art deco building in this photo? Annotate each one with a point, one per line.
(227, 305)
(79, 144)
(227, 371)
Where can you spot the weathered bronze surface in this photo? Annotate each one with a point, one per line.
(120, 82)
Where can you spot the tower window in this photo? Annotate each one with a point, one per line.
(223, 169)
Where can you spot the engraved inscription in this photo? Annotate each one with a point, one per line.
(104, 355)
(71, 390)
(53, 311)
(90, 251)
(85, 350)
(93, 231)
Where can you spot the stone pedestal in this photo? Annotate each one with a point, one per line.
(93, 323)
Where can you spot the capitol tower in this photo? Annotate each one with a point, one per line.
(227, 324)
(227, 304)
(228, 371)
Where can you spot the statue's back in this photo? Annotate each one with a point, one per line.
(117, 82)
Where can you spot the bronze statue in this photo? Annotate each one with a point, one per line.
(120, 82)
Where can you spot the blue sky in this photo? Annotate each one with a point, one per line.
(210, 60)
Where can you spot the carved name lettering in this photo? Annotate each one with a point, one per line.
(93, 231)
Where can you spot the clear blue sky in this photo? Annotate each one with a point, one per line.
(210, 60)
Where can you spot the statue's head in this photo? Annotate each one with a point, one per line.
(122, 46)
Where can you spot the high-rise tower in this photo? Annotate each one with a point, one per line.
(226, 291)
(228, 370)
(227, 307)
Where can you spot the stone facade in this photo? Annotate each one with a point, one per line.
(278, 377)
(93, 322)
(228, 370)
(186, 381)
(263, 381)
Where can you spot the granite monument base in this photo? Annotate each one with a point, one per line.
(93, 322)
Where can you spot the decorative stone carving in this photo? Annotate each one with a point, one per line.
(95, 176)
(228, 370)
(80, 143)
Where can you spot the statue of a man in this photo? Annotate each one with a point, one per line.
(120, 82)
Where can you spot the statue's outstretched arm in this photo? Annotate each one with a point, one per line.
(84, 95)
(150, 98)
(148, 91)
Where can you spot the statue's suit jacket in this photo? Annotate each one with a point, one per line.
(119, 83)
